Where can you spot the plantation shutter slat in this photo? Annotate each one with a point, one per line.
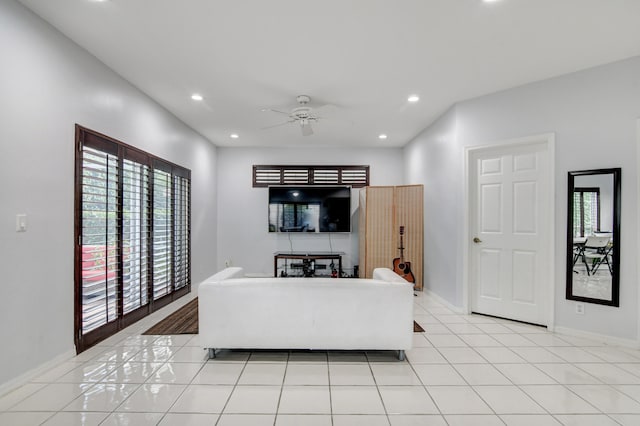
(181, 231)
(99, 237)
(295, 176)
(355, 177)
(265, 176)
(162, 233)
(326, 176)
(136, 227)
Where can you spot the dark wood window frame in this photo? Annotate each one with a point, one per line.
(351, 175)
(124, 159)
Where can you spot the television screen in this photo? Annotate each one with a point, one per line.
(310, 209)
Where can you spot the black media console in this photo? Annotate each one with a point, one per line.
(303, 264)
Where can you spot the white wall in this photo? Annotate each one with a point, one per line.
(243, 236)
(47, 84)
(433, 161)
(592, 114)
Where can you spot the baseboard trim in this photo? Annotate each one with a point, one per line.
(446, 303)
(511, 319)
(609, 340)
(23, 379)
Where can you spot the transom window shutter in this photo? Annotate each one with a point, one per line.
(355, 176)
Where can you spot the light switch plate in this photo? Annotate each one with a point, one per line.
(21, 223)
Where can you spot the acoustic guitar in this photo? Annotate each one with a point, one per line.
(401, 267)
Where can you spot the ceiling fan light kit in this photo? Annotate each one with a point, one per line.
(303, 99)
(302, 114)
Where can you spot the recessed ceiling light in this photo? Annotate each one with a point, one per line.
(382, 136)
(197, 97)
(490, 1)
(234, 136)
(413, 98)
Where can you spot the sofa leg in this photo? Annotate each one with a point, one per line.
(401, 355)
(212, 353)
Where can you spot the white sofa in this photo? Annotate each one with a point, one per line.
(236, 312)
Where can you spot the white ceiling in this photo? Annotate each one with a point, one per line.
(360, 57)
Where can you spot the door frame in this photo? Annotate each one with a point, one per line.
(548, 140)
(638, 224)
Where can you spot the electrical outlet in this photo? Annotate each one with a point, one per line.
(227, 263)
(580, 308)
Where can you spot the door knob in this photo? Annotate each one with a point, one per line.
(477, 240)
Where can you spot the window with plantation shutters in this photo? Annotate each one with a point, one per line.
(133, 235)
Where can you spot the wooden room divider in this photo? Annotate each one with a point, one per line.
(383, 210)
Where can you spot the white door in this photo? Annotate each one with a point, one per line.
(509, 254)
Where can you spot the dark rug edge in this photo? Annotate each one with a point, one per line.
(182, 321)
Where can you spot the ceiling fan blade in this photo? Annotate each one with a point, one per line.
(328, 109)
(306, 129)
(275, 110)
(277, 125)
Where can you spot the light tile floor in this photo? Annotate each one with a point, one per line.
(464, 370)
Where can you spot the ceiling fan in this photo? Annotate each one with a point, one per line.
(302, 114)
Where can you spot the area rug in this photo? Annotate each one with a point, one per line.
(185, 321)
(182, 321)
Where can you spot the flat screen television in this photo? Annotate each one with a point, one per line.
(309, 209)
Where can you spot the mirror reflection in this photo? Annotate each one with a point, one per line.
(593, 235)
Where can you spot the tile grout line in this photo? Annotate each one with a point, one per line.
(330, 389)
(375, 382)
(185, 388)
(284, 376)
(224, 407)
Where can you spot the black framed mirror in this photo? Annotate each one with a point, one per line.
(593, 236)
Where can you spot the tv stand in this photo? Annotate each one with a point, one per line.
(309, 263)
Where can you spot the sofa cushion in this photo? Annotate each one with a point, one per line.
(225, 274)
(386, 274)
